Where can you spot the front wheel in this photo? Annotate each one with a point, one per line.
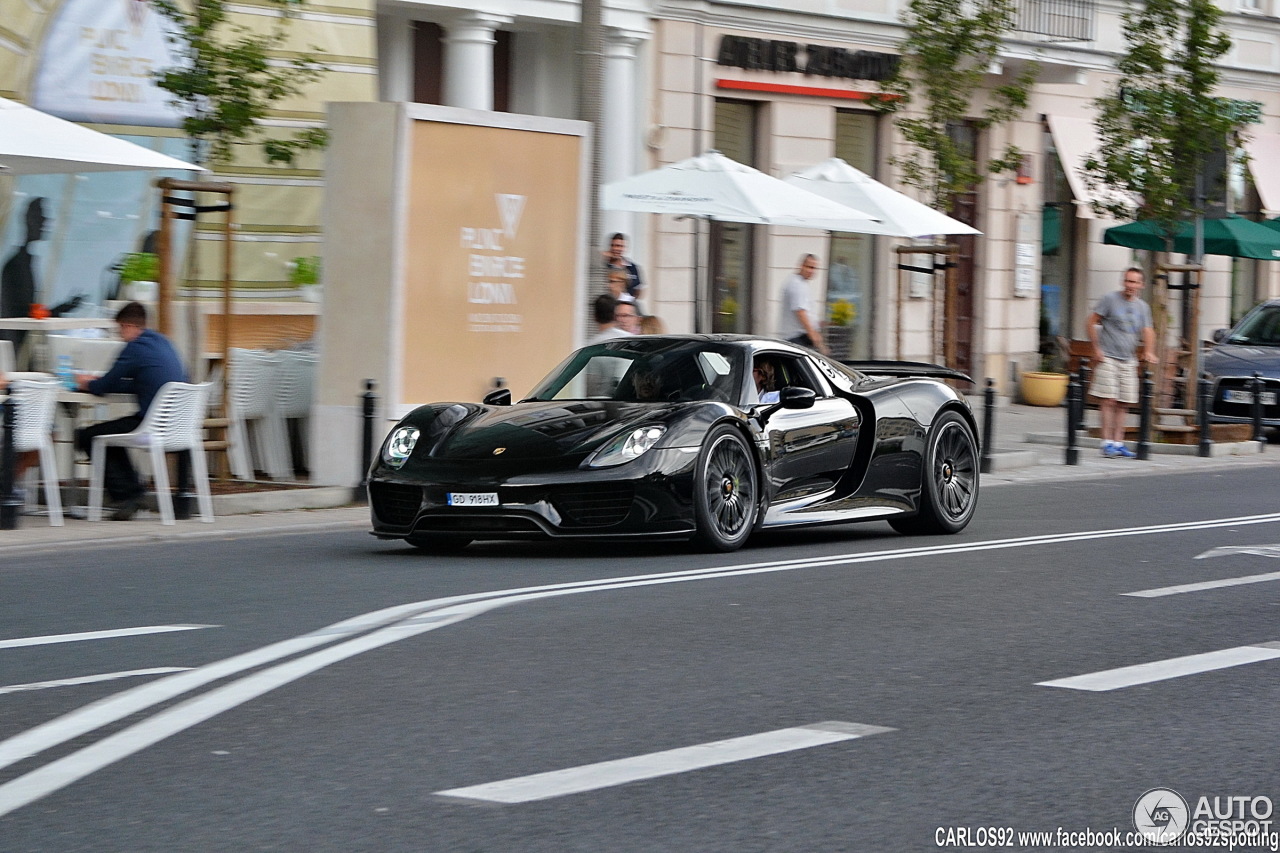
(949, 493)
(724, 491)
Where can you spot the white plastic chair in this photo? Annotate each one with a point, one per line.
(256, 428)
(175, 421)
(293, 387)
(35, 403)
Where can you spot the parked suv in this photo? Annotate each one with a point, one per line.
(1251, 345)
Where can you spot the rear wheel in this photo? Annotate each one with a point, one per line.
(435, 543)
(949, 493)
(724, 491)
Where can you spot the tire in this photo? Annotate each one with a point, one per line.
(949, 493)
(725, 489)
(438, 543)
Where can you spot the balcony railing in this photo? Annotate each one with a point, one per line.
(1060, 20)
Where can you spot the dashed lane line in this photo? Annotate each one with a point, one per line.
(1201, 586)
(1162, 670)
(92, 679)
(621, 771)
(19, 642)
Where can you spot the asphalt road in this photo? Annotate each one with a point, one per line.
(289, 724)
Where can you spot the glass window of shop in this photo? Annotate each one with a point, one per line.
(1057, 251)
(733, 243)
(851, 257)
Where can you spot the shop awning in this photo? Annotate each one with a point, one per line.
(1075, 139)
(1264, 165)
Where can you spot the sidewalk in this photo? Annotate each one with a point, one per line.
(1028, 447)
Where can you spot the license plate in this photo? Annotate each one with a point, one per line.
(1231, 395)
(472, 498)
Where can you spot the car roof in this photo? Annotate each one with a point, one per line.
(751, 342)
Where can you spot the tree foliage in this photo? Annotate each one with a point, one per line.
(230, 76)
(1160, 119)
(949, 47)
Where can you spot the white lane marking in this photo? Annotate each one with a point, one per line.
(91, 679)
(49, 639)
(606, 774)
(1203, 585)
(129, 702)
(1254, 550)
(1161, 670)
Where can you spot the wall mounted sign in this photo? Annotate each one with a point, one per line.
(754, 54)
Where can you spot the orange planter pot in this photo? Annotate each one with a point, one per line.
(1044, 389)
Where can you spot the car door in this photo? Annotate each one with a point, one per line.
(808, 450)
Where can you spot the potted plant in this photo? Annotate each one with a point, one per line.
(138, 276)
(304, 272)
(1048, 385)
(841, 315)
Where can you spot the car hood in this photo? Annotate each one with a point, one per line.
(1242, 360)
(527, 431)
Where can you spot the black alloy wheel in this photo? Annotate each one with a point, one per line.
(949, 493)
(725, 491)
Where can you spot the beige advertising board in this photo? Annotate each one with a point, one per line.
(492, 248)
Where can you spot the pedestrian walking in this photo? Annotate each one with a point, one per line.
(798, 323)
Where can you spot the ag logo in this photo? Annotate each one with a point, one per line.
(1161, 815)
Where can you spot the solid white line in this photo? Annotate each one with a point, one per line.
(606, 774)
(1145, 673)
(1203, 585)
(418, 617)
(97, 635)
(92, 679)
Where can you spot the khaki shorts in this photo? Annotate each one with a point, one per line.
(1114, 379)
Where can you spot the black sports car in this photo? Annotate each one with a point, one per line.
(704, 437)
(1253, 345)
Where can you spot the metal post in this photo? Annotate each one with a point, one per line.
(368, 400)
(1074, 402)
(988, 423)
(1204, 402)
(9, 502)
(1084, 383)
(1257, 386)
(1144, 415)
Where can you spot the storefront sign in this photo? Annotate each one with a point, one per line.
(817, 60)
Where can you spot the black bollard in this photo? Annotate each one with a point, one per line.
(9, 502)
(1075, 402)
(1084, 383)
(1144, 416)
(1257, 385)
(988, 424)
(367, 404)
(1204, 404)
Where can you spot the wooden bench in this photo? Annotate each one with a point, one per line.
(1171, 424)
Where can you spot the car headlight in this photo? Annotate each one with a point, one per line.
(627, 446)
(398, 447)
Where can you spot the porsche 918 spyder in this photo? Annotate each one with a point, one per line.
(702, 437)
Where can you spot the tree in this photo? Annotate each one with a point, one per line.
(949, 47)
(1160, 119)
(228, 79)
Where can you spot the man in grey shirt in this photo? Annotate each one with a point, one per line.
(1117, 323)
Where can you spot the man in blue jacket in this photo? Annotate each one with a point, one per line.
(147, 362)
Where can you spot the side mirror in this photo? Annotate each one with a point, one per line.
(1220, 335)
(792, 397)
(498, 397)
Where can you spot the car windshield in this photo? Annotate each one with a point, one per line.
(648, 369)
(1261, 328)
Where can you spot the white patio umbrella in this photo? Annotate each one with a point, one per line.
(714, 187)
(897, 215)
(35, 143)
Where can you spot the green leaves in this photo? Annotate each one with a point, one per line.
(950, 46)
(1160, 119)
(231, 76)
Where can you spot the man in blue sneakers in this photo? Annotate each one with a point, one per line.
(1117, 323)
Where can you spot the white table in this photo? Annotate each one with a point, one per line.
(44, 327)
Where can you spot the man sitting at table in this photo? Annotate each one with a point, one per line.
(147, 362)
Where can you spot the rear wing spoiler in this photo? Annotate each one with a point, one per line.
(907, 368)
